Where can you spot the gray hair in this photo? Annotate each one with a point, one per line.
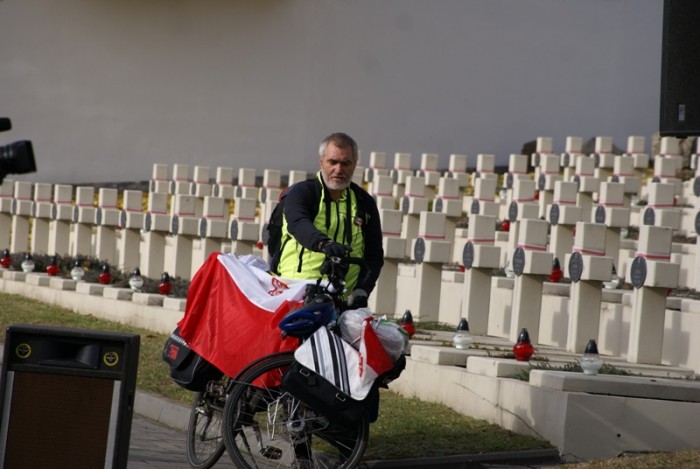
(340, 140)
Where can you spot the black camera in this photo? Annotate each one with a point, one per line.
(16, 157)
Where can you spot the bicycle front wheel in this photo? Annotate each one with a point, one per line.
(205, 443)
(266, 427)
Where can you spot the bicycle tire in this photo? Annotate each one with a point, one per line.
(259, 433)
(205, 443)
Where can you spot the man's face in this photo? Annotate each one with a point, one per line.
(337, 166)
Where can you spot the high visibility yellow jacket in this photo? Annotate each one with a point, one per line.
(311, 216)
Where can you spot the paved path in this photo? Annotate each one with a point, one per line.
(155, 446)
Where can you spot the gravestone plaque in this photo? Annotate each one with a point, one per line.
(697, 223)
(233, 230)
(437, 205)
(575, 266)
(468, 255)
(263, 195)
(474, 210)
(369, 174)
(76, 213)
(98, 216)
(419, 250)
(696, 187)
(565, 160)
(147, 222)
(554, 214)
(656, 179)
(596, 160)
(599, 215)
(518, 261)
(174, 224)
(638, 272)
(265, 234)
(203, 228)
(394, 176)
(405, 205)
(541, 182)
(513, 212)
(577, 180)
(509, 180)
(54, 210)
(615, 178)
(649, 216)
(216, 190)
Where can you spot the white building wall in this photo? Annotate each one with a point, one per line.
(106, 88)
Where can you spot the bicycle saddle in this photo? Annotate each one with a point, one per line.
(304, 320)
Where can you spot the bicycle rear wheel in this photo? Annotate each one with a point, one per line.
(205, 443)
(265, 427)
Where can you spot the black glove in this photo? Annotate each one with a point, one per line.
(357, 299)
(333, 249)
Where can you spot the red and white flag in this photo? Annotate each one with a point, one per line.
(374, 360)
(233, 310)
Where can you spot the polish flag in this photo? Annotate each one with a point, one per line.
(233, 310)
(373, 358)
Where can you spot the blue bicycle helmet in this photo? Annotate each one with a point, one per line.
(303, 321)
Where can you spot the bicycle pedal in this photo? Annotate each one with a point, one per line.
(270, 452)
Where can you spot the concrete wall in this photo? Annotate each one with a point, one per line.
(107, 88)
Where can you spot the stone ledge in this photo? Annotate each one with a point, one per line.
(113, 293)
(63, 284)
(89, 288)
(614, 385)
(38, 279)
(495, 367)
(147, 299)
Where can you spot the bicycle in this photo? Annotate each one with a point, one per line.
(205, 444)
(266, 427)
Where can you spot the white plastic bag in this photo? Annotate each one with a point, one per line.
(393, 338)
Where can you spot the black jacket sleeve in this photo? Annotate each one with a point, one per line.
(374, 251)
(300, 209)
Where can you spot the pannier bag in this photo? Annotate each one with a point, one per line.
(187, 368)
(326, 376)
